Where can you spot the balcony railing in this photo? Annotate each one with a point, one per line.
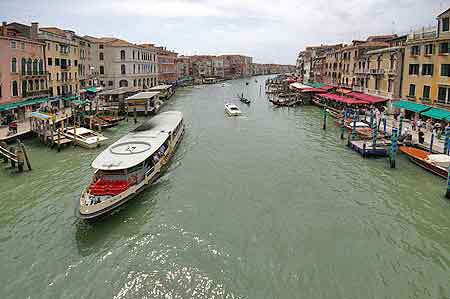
(362, 72)
(377, 71)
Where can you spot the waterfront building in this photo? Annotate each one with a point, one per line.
(184, 67)
(342, 65)
(379, 72)
(426, 72)
(88, 62)
(62, 56)
(300, 65)
(124, 64)
(167, 65)
(236, 66)
(23, 79)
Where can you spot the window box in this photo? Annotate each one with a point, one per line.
(425, 99)
(413, 55)
(443, 54)
(427, 55)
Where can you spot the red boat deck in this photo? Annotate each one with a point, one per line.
(414, 152)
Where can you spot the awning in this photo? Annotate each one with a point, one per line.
(327, 87)
(343, 90)
(91, 89)
(81, 102)
(40, 115)
(411, 106)
(341, 99)
(436, 113)
(316, 90)
(315, 84)
(25, 103)
(366, 97)
(71, 98)
(298, 86)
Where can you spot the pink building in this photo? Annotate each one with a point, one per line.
(23, 81)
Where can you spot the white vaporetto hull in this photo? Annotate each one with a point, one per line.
(92, 211)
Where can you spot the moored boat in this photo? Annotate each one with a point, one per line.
(85, 137)
(435, 163)
(232, 110)
(132, 163)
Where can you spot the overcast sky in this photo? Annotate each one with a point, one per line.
(270, 31)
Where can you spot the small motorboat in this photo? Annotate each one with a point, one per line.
(98, 123)
(246, 83)
(232, 110)
(85, 137)
(434, 163)
(243, 99)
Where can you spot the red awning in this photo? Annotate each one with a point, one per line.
(341, 99)
(327, 87)
(368, 98)
(291, 80)
(316, 90)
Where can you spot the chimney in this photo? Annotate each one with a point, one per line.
(34, 30)
(3, 29)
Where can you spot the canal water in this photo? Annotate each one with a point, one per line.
(266, 205)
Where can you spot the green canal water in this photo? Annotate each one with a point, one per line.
(267, 205)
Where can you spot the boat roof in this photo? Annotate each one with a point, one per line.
(231, 105)
(80, 130)
(143, 95)
(161, 87)
(139, 144)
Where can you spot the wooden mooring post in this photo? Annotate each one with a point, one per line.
(17, 157)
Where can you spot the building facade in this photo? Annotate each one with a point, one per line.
(22, 64)
(236, 66)
(427, 64)
(167, 65)
(62, 56)
(123, 64)
(184, 67)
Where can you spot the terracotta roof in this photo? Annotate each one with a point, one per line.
(53, 30)
(443, 13)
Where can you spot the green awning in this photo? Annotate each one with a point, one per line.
(25, 103)
(315, 84)
(81, 102)
(436, 113)
(92, 89)
(71, 98)
(411, 106)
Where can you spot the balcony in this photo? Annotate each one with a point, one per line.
(377, 72)
(362, 72)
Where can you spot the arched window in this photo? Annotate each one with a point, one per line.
(14, 65)
(41, 67)
(24, 88)
(139, 82)
(29, 63)
(15, 91)
(101, 56)
(134, 82)
(35, 67)
(42, 84)
(139, 55)
(36, 84)
(123, 83)
(102, 70)
(122, 55)
(148, 82)
(23, 66)
(134, 69)
(392, 62)
(139, 68)
(122, 69)
(134, 55)
(30, 85)
(379, 62)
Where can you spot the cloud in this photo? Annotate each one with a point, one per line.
(271, 31)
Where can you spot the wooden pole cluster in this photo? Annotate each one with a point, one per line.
(394, 147)
(17, 157)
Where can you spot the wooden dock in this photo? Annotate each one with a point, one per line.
(366, 149)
